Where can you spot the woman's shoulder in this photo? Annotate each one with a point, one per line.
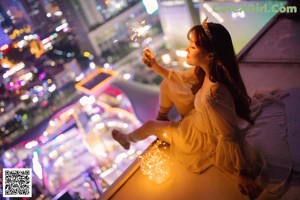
(217, 91)
(218, 88)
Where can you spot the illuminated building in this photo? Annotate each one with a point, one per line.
(106, 34)
(27, 14)
(67, 157)
(15, 18)
(36, 48)
(38, 19)
(78, 20)
(4, 22)
(64, 74)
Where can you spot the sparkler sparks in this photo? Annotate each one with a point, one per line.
(139, 31)
(156, 164)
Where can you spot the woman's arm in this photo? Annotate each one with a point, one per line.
(149, 60)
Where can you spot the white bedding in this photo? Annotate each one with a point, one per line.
(275, 114)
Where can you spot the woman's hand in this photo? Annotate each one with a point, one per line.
(149, 60)
(149, 57)
(248, 187)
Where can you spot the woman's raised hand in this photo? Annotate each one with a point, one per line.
(148, 57)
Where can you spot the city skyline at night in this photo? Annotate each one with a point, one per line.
(71, 71)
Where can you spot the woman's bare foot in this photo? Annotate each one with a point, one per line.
(121, 138)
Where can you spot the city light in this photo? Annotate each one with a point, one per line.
(46, 40)
(100, 125)
(126, 76)
(53, 154)
(151, 6)
(4, 47)
(52, 123)
(61, 27)
(95, 118)
(181, 53)
(85, 100)
(166, 58)
(79, 77)
(31, 144)
(36, 166)
(52, 88)
(92, 65)
(240, 14)
(18, 32)
(86, 54)
(35, 99)
(24, 97)
(58, 13)
(107, 66)
(14, 69)
(22, 44)
(156, 164)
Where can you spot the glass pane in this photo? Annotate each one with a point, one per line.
(243, 19)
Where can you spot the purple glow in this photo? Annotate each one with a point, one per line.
(42, 75)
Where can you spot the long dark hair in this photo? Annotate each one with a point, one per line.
(224, 67)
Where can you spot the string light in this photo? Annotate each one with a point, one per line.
(156, 164)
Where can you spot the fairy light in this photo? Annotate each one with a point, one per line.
(156, 164)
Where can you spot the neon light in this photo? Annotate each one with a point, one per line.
(61, 27)
(31, 144)
(14, 69)
(4, 47)
(52, 88)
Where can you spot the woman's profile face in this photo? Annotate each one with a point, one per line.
(196, 56)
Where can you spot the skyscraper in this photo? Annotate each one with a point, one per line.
(102, 27)
(79, 21)
(38, 19)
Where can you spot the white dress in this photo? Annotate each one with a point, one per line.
(209, 134)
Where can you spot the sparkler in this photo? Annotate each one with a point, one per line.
(139, 31)
(156, 164)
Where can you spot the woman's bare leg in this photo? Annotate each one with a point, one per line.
(161, 129)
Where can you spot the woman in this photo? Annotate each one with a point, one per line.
(209, 134)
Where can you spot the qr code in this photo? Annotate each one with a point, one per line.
(17, 182)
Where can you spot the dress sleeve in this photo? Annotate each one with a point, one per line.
(181, 76)
(221, 121)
